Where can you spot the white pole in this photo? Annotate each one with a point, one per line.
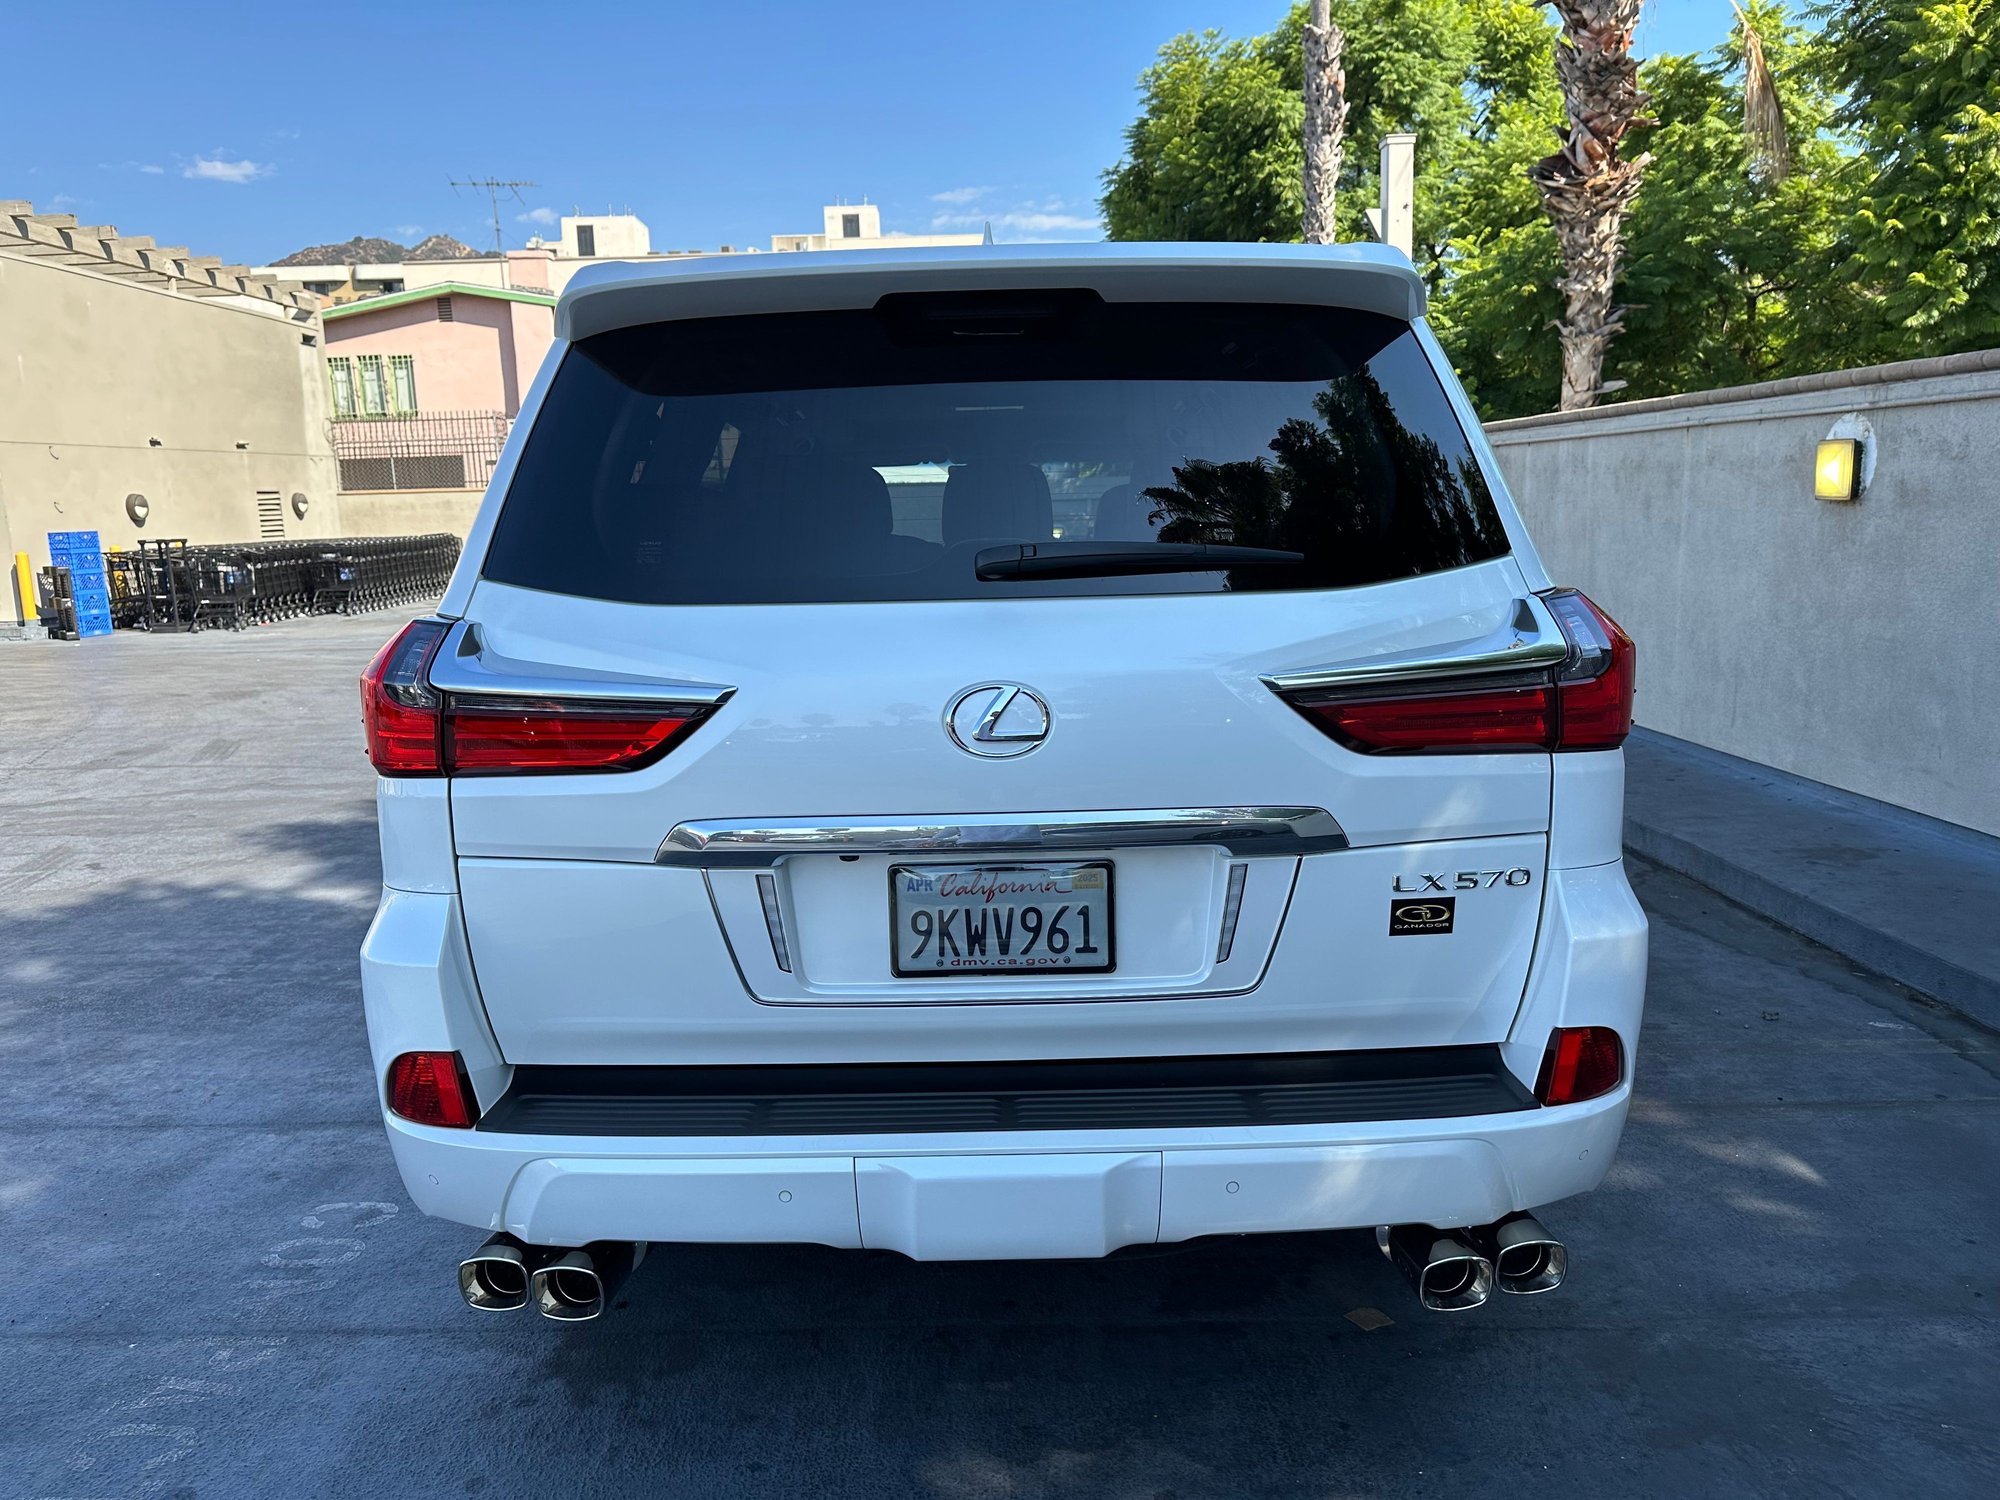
(1399, 193)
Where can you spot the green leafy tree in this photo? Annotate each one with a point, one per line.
(1922, 86)
(1879, 239)
(1216, 153)
(1727, 272)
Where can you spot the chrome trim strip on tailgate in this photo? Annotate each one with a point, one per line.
(1530, 639)
(722, 844)
(465, 664)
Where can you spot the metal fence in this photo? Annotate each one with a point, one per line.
(429, 450)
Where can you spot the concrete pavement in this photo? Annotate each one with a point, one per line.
(1788, 1285)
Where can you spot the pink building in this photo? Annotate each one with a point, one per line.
(451, 347)
(425, 384)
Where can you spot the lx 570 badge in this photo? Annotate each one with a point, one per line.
(1462, 880)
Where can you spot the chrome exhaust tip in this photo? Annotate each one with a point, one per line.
(494, 1278)
(1526, 1258)
(1447, 1274)
(579, 1284)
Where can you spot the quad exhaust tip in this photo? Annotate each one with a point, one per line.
(495, 1277)
(1447, 1274)
(1526, 1258)
(571, 1286)
(1457, 1270)
(579, 1284)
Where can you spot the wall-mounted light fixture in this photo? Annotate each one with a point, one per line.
(137, 508)
(1837, 469)
(1844, 461)
(300, 505)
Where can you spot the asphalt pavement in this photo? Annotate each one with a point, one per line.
(217, 1288)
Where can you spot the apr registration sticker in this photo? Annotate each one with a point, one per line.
(1407, 918)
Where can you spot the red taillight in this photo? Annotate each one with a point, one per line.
(430, 1088)
(414, 730)
(484, 736)
(1584, 703)
(1595, 684)
(1581, 1063)
(399, 709)
(1492, 719)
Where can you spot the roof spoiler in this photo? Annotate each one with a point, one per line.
(1371, 278)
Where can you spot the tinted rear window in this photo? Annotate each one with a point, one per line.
(870, 455)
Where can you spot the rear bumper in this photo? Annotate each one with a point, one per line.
(1002, 1193)
(1005, 1194)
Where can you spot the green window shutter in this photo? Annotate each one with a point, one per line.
(403, 382)
(374, 398)
(340, 377)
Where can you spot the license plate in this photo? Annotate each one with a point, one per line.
(999, 919)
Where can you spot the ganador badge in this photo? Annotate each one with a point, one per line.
(1408, 918)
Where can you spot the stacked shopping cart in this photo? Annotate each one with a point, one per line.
(173, 585)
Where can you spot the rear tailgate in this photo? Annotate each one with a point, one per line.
(591, 949)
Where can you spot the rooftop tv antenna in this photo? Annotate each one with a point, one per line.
(494, 187)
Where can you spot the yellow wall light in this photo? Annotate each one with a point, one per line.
(1836, 469)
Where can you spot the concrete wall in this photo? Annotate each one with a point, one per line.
(96, 370)
(1858, 644)
(409, 512)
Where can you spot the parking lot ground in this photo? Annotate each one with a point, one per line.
(217, 1288)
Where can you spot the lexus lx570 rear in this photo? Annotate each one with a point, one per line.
(1001, 753)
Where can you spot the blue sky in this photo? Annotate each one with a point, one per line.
(249, 132)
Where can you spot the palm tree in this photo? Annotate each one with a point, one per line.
(1586, 188)
(1326, 121)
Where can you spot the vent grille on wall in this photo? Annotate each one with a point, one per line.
(444, 309)
(270, 514)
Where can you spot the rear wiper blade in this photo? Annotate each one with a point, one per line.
(1114, 559)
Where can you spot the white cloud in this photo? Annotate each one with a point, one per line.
(961, 195)
(542, 216)
(409, 231)
(149, 168)
(152, 169)
(219, 168)
(1029, 220)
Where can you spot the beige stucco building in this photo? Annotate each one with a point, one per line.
(858, 226)
(129, 369)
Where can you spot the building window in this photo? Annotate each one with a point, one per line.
(586, 239)
(850, 226)
(340, 376)
(402, 383)
(374, 395)
(444, 309)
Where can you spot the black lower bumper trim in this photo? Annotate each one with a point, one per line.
(1151, 1093)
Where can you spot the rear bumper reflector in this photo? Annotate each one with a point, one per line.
(1312, 1088)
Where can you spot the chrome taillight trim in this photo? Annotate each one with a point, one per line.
(739, 844)
(1530, 639)
(466, 664)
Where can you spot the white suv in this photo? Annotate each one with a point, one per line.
(1001, 753)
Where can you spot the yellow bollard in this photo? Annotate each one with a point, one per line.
(24, 581)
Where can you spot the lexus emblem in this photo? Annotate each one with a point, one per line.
(997, 720)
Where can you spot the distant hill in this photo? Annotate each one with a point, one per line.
(442, 247)
(371, 250)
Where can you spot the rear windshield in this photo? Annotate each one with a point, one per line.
(874, 454)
